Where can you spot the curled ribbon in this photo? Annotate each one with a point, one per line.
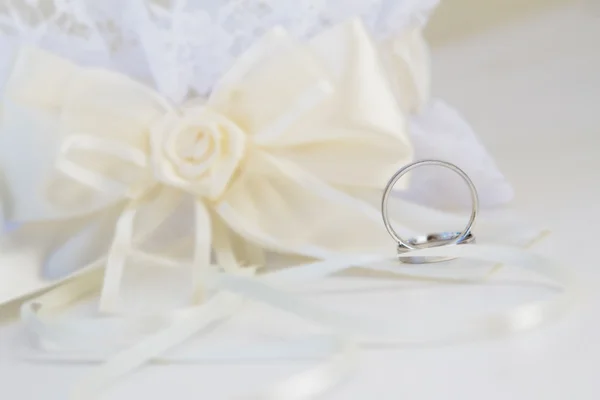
(288, 155)
(156, 335)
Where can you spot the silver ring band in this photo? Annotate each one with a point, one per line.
(431, 240)
(456, 238)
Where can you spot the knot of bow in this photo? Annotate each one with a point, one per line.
(276, 159)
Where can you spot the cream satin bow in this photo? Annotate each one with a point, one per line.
(274, 160)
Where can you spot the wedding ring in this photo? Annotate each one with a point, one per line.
(432, 240)
(436, 239)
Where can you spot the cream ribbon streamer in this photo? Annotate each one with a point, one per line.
(368, 332)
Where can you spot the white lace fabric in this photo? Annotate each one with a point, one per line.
(187, 44)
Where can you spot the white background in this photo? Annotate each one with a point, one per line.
(532, 92)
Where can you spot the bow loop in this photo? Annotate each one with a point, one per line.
(307, 102)
(85, 132)
(272, 87)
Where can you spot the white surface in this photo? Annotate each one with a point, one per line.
(532, 91)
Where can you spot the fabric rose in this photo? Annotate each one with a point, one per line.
(197, 151)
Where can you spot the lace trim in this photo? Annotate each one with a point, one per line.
(182, 45)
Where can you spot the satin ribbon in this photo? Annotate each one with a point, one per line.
(153, 337)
